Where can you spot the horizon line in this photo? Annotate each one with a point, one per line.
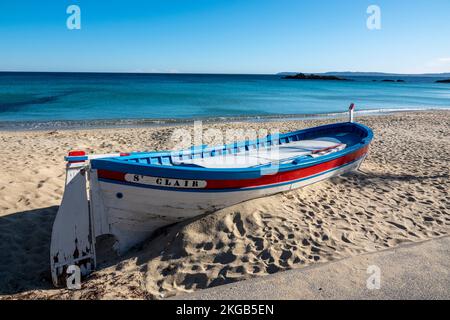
(226, 73)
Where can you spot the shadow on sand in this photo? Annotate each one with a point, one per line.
(25, 250)
(369, 178)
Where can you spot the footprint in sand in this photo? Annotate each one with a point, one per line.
(345, 239)
(256, 269)
(208, 246)
(225, 258)
(285, 255)
(272, 268)
(198, 281)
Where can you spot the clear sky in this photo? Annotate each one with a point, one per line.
(225, 36)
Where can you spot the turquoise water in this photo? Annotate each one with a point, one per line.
(70, 96)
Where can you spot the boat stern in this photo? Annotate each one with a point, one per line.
(72, 248)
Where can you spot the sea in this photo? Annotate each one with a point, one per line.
(66, 100)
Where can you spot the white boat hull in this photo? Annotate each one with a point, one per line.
(140, 211)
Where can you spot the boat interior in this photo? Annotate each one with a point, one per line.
(288, 148)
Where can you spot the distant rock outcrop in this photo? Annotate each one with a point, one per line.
(302, 76)
(391, 80)
(443, 81)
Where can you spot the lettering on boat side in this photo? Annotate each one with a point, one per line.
(166, 182)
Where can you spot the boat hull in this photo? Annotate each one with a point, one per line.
(133, 211)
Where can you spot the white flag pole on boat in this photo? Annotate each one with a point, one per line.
(351, 113)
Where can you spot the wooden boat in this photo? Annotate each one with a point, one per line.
(132, 195)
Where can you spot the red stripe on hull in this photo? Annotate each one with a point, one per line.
(281, 177)
(288, 175)
(111, 175)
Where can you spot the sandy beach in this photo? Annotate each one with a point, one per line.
(399, 196)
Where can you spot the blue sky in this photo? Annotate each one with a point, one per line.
(225, 36)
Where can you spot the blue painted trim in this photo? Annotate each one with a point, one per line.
(125, 164)
(144, 186)
(85, 158)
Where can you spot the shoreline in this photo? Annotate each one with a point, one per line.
(65, 125)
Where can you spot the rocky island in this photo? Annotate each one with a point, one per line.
(443, 81)
(390, 80)
(302, 76)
